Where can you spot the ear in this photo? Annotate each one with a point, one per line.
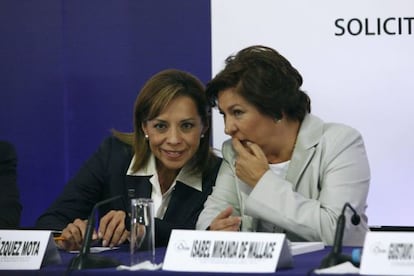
(204, 130)
(144, 128)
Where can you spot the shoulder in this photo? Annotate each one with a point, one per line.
(342, 140)
(314, 131)
(340, 133)
(330, 139)
(113, 151)
(213, 167)
(210, 174)
(112, 143)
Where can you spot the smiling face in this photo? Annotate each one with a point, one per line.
(174, 135)
(243, 121)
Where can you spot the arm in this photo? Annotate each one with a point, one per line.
(101, 177)
(338, 172)
(79, 194)
(225, 192)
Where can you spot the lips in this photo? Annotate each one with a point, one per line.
(173, 154)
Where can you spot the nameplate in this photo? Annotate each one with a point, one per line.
(388, 253)
(222, 251)
(27, 249)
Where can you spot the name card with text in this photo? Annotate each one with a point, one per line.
(388, 253)
(220, 251)
(27, 249)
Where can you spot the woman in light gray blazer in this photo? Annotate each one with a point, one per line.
(284, 170)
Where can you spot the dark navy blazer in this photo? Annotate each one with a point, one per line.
(104, 175)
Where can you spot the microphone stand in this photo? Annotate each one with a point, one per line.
(86, 260)
(335, 256)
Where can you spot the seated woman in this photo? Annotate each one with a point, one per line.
(167, 158)
(10, 207)
(284, 170)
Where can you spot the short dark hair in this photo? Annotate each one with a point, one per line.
(265, 79)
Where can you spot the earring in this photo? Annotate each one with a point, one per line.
(277, 120)
(146, 136)
(202, 136)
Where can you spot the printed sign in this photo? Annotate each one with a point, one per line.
(220, 251)
(388, 253)
(27, 249)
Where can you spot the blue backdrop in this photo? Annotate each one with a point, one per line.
(70, 71)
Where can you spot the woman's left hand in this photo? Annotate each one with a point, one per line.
(251, 162)
(112, 229)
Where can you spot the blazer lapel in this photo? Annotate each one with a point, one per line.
(308, 137)
(138, 186)
(183, 203)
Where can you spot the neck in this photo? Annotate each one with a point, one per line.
(166, 177)
(287, 136)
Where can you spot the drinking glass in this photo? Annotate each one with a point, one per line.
(142, 239)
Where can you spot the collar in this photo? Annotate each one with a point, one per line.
(310, 132)
(186, 177)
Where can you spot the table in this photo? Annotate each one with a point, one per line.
(303, 264)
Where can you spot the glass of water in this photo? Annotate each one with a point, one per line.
(142, 239)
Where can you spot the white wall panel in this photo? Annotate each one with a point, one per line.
(357, 61)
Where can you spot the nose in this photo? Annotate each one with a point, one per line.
(174, 136)
(229, 127)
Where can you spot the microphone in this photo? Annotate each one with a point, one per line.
(335, 256)
(84, 259)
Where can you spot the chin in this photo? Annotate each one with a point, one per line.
(174, 165)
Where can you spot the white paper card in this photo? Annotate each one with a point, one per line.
(297, 248)
(27, 249)
(388, 253)
(220, 251)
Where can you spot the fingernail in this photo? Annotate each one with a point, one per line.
(100, 235)
(104, 243)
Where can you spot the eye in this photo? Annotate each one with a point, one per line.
(160, 126)
(187, 125)
(237, 112)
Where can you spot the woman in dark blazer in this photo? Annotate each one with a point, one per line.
(10, 207)
(167, 158)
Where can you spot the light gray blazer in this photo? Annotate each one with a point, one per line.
(329, 167)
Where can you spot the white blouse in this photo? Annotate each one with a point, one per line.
(161, 201)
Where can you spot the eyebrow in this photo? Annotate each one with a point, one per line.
(229, 108)
(183, 120)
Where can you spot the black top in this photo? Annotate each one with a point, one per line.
(104, 175)
(10, 207)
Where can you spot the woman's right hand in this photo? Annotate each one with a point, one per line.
(225, 221)
(73, 235)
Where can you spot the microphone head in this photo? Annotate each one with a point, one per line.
(355, 219)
